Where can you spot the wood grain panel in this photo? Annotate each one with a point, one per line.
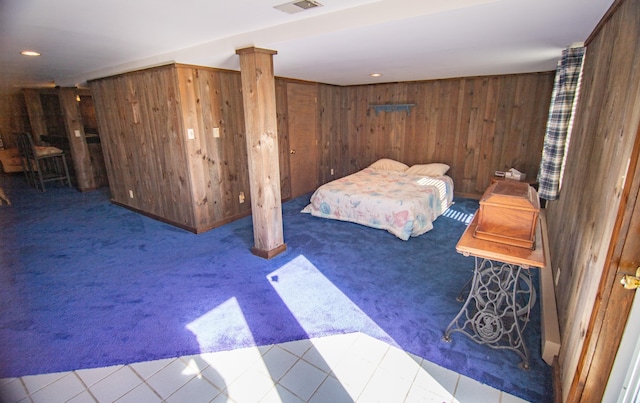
(194, 139)
(17, 118)
(111, 123)
(219, 192)
(283, 137)
(333, 145)
(226, 155)
(80, 157)
(36, 114)
(139, 119)
(260, 117)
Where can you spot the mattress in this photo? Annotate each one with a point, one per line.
(405, 205)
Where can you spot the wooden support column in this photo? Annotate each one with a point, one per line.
(36, 114)
(80, 156)
(259, 100)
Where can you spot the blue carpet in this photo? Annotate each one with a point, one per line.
(85, 283)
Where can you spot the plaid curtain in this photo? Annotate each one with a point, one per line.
(556, 138)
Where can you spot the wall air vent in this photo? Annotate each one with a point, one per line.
(297, 6)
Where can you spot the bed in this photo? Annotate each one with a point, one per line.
(387, 195)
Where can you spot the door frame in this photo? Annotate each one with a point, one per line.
(624, 380)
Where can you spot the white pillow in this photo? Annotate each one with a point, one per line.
(386, 164)
(435, 169)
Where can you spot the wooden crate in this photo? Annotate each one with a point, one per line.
(508, 214)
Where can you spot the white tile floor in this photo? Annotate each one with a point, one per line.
(344, 368)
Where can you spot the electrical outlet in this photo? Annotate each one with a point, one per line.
(557, 277)
(241, 197)
(191, 134)
(216, 132)
(76, 132)
(130, 194)
(331, 171)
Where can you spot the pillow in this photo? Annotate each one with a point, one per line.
(434, 169)
(386, 164)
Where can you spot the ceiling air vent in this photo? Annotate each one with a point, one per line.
(297, 6)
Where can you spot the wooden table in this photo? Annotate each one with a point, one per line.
(501, 293)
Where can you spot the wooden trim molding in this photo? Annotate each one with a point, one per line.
(195, 230)
(268, 254)
(603, 21)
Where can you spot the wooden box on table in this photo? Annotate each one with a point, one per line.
(508, 214)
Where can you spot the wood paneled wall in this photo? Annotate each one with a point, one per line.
(57, 118)
(333, 141)
(37, 120)
(14, 117)
(145, 118)
(144, 143)
(476, 125)
(582, 221)
(217, 165)
(88, 170)
(283, 138)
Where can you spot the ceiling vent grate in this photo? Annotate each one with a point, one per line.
(297, 6)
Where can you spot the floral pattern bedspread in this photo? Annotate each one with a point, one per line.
(405, 205)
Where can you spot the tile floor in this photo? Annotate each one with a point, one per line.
(344, 368)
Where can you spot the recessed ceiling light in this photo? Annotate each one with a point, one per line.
(376, 74)
(29, 53)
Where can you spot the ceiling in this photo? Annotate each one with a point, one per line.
(341, 42)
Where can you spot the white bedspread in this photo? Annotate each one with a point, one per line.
(405, 205)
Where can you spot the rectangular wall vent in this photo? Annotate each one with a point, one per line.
(297, 6)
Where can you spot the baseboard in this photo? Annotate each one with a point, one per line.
(195, 230)
(268, 254)
(557, 381)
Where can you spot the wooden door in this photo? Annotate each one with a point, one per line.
(613, 304)
(303, 140)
